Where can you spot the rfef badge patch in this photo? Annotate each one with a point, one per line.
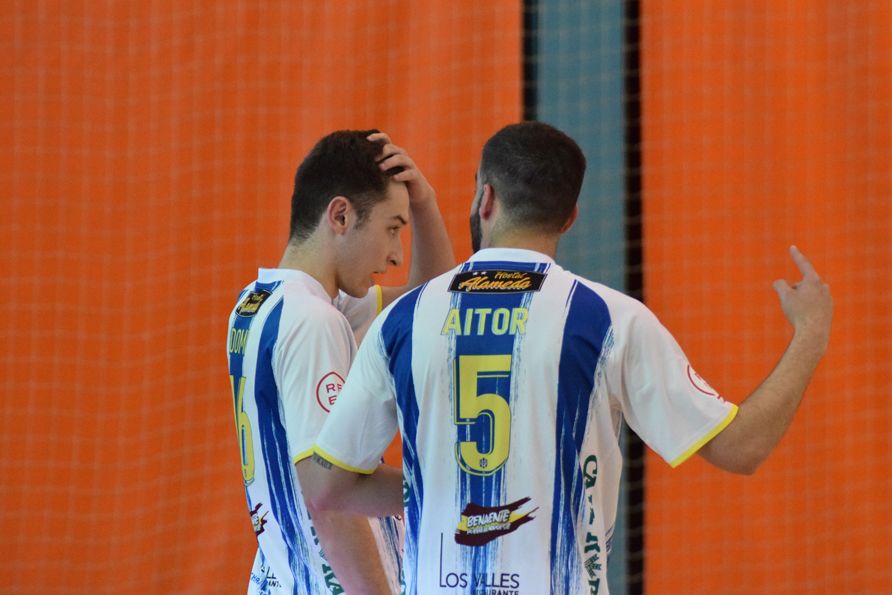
(251, 303)
(496, 281)
(328, 389)
(700, 384)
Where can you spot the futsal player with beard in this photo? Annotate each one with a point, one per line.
(509, 378)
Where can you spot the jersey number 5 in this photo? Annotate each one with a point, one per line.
(243, 428)
(470, 406)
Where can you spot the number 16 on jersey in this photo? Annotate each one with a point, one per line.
(243, 427)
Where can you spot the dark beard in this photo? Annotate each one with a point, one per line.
(475, 232)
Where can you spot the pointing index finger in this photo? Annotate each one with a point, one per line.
(805, 267)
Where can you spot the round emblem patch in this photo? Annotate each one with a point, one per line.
(699, 383)
(328, 389)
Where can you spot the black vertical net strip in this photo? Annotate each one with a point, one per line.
(530, 59)
(634, 447)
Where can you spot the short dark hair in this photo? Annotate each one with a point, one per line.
(536, 171)
(343, 163)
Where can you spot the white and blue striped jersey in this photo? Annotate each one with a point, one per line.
(508, 379)
(290, 346)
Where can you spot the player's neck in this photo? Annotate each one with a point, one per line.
(527, 240)
(307, 257)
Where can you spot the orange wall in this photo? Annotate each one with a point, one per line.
(146, 174)
(764, 124)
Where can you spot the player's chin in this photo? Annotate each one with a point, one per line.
(359, 289)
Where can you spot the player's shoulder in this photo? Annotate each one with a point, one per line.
(301, 304)
(621, 305)
(253, 301)
(435, 289)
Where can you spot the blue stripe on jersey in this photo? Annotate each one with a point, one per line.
(274, 444)
(237, 360)
(586, 326)
(485, 490)
(396, 333)
(236, 368)
(281, 486)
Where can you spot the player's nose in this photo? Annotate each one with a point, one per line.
(396, 255)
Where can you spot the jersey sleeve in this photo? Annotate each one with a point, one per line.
(311, 360)
(663, 399)
(364, 421)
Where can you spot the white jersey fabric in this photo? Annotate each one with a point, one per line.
(290, 347)
(508, 378)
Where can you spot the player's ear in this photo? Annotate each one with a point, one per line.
(487, 202)
(338, 214)
(571, 219)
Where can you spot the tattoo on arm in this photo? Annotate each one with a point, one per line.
(321, 462)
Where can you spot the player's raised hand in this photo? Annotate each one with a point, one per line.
(807, 304)
(392, 157)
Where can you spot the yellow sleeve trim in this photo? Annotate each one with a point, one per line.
(379, 301)
(340, 463)
(301, 456)
(709, 436)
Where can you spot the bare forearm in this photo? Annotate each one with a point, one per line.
(431, 249)
(766, 414)
(351, 550)
(376, 495)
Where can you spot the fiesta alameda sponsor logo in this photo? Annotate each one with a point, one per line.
(479, 583)
(496, 281)
(251, 303)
